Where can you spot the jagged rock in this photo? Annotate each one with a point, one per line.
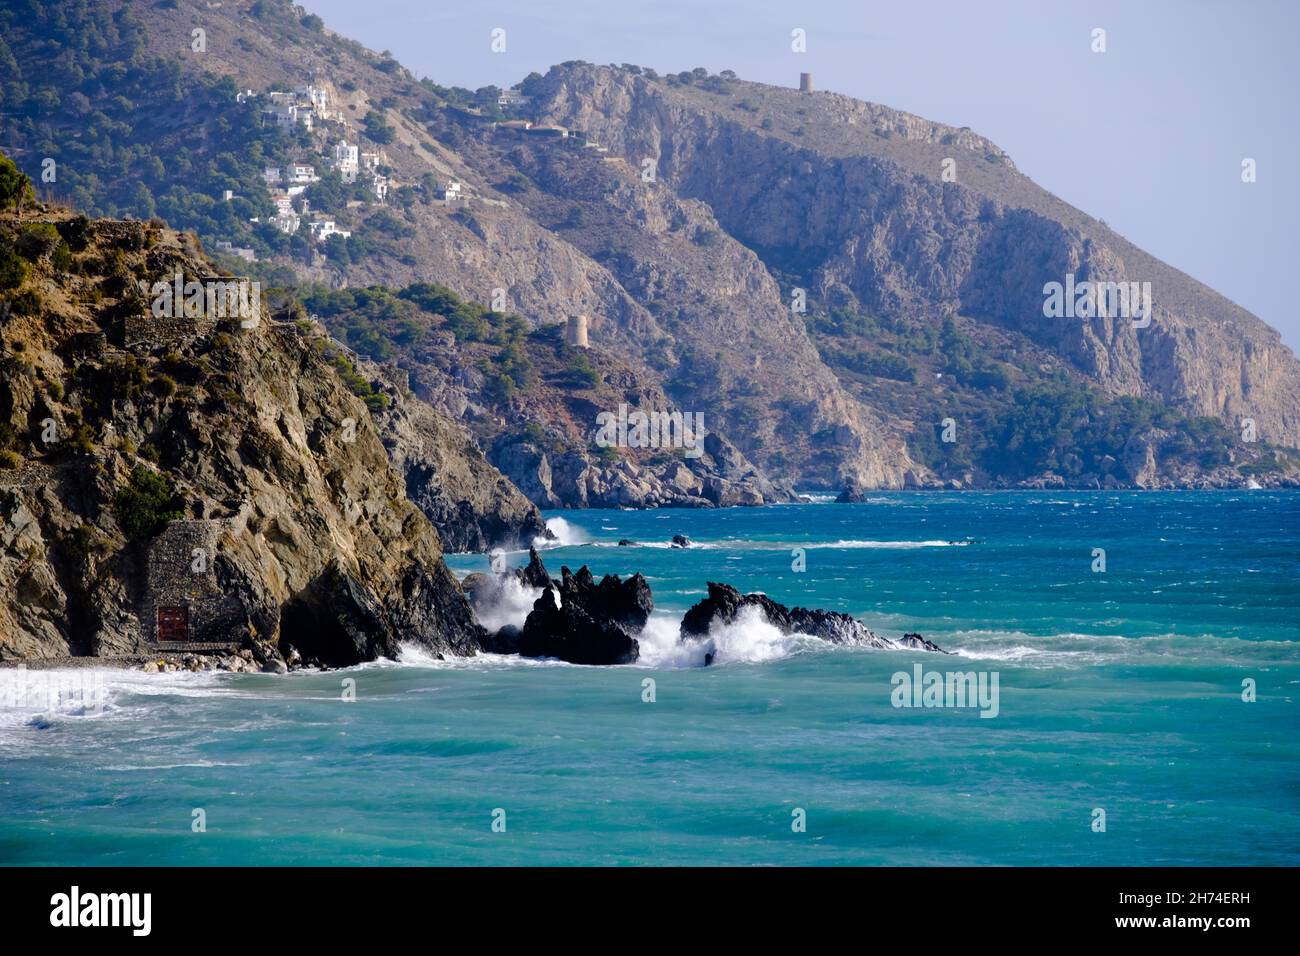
(724, 603)
(849, 496)
(534, 574)
(681, 541)
(582, 622)
(625, 602)
(571, 634)
(626, 543)
(917, 642)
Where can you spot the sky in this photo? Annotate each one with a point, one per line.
(1149, 135)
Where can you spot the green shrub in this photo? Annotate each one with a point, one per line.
(39, 240)
(580, 372)
(14, 183)
(76, 233)
(13, 270)
(146, 504)
(27, 302)
(164, 386)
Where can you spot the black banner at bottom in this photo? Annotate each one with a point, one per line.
(330, 905)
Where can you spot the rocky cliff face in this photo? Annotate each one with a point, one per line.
(850, 198)
(191, 481)
(546, 439)
(472, 504)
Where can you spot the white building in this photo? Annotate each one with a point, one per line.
(283, 115)
(449, 191)
(346, 157)
(322, 229)
(271, 175)
(287, 222)
(243, 252)
(381, 184)
(317, 97)
(302, 173)
(511, 98)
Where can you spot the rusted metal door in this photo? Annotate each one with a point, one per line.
(174, 624)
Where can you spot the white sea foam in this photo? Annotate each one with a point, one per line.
(749, 638)
(45, 699)
(566, 535)
(740, 544)
(508, 603)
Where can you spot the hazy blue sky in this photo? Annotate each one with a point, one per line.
(1148, 136)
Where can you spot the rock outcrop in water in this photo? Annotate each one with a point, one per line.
(919, 643)
(724, 604)
(572, 632)
(576, 619)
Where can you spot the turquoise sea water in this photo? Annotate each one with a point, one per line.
(1119, 691)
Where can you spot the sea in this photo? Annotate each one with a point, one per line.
(1136, 655)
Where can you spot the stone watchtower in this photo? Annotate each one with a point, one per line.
(575, 331)
(805, 83)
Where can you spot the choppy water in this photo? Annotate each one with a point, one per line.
(1119, 691)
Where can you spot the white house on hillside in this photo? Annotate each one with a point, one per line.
(302, 173)
(346, 158)
(322, 229)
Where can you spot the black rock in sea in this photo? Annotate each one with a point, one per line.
(591, 623)
(725, 603)
(534, 575)
(576, 619)
(917, 642)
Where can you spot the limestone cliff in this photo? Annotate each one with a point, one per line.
(850, 198)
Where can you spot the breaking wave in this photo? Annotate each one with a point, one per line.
(565, 535)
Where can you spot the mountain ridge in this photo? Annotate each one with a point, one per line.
(924, 298)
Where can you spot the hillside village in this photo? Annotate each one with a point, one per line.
(341, 148)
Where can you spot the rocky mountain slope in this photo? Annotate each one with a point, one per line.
(529, 400)
(472, 504)
(193, 481)
(688, 216)
(849, 199)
